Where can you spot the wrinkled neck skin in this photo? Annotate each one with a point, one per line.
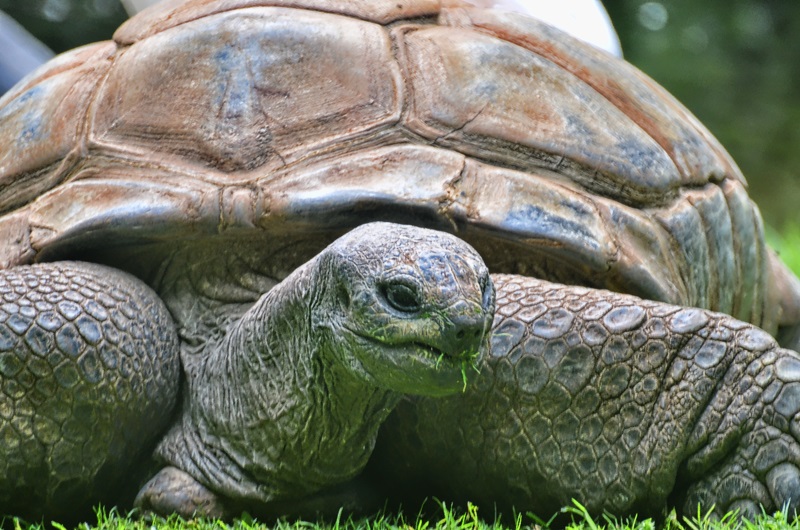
(271, 413)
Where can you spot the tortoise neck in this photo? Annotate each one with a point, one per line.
(277, 414)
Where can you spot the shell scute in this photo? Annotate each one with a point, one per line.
(172, 13)
(411, 181)
(276, 84)
(42, 121)
(101, 212)
(695, 152)
(490, 98)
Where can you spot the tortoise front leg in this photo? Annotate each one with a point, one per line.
(746, 446)
(90, 372)
(667, 393)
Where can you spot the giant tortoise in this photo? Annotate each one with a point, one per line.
(163, 182)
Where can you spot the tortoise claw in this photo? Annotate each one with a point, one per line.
(174, 491)
(783, 482)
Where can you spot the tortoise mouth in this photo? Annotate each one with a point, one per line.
(423, 350)
(413, 366)
(431, 352)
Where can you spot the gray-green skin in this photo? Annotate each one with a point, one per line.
(280, 404)
(627, 405)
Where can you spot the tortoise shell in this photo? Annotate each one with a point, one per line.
(211, 119)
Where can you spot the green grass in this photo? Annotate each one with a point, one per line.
(449, 518)
(787, 244)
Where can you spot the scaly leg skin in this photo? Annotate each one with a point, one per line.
(624, 404)
(89, 374)
(747, 454)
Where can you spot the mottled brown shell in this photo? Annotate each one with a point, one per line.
(209, 118)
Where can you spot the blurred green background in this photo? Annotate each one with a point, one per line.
(734, 63)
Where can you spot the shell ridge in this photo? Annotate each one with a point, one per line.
(765, 306)
(716, 224)
(400, 53)
(87, 143)
(683, 223)
(745, 248)
(449, 198)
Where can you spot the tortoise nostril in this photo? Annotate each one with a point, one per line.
(460, 334)
(344, 296)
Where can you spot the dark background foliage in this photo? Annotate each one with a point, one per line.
(734, 63)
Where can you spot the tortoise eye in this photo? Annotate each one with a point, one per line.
(402, 297)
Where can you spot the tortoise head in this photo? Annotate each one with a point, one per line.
(406, 308)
